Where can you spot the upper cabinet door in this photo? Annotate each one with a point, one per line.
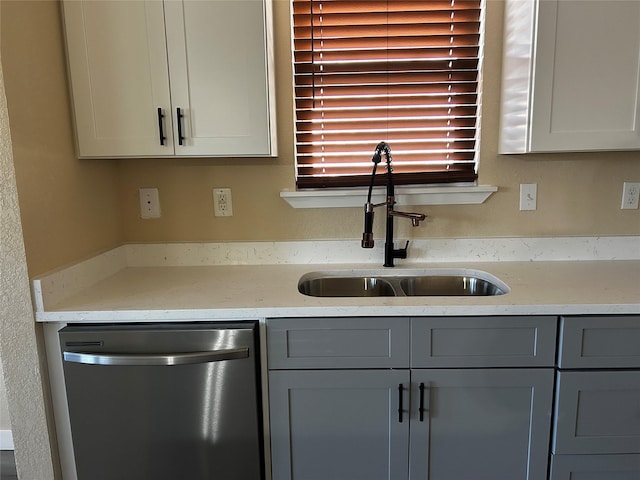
(119, 77)
(219, 78)
(571, 76)
(171, 78)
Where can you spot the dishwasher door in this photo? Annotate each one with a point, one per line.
(169, 401)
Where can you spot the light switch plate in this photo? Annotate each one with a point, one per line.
(528, 196)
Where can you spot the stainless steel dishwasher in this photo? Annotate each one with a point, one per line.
(168, 401)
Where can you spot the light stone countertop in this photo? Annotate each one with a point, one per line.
(126, 290)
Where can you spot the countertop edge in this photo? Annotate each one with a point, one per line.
(181, 315)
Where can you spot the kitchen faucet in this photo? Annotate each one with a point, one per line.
(390, 253)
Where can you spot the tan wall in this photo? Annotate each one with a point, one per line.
(69, 208)
(23, 369)
(578, 194)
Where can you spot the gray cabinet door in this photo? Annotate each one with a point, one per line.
(339, 425)
(597, 412)
(595, 467)
(600, 342)
(481, 424)
(483, 342)
(294, 343)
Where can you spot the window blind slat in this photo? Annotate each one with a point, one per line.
(400, 71)
(375, 31)
(368, 6)
(319, 105)
(329, 44)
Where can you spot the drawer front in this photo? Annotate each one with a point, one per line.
(597, 412)
(337, 343)
(595, 467)
(483, 342)
(600, 342)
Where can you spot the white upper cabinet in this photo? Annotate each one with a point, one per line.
(119, 77)
(171, 78)
(571, 76)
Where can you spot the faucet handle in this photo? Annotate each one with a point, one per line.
(401, 252)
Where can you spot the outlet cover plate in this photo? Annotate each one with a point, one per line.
(149, 203)
(630, 195)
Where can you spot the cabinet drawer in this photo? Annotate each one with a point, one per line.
(593, 342)
(483, 341)
(595, 467)
(337, 343)
(597, 412)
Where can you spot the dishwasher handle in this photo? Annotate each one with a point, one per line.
(162, 359)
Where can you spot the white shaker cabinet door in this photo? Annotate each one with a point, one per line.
(571, 76)
(588, 76)
(217, 53)
(119, 77)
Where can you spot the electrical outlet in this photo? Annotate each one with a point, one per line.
(528, 196)
(149, 203)
(630, 195)
(222, 206)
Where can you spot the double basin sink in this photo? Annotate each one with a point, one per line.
(401, 283)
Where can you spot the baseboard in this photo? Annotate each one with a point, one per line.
(6, 440)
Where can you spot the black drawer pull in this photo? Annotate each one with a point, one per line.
(400, 390)
(421, 408)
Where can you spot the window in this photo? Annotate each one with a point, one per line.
(401, 71)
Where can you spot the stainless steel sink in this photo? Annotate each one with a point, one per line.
(449, 285)
(401, 283)
(346, 287)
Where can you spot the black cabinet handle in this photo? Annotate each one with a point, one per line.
(161, 126)
(180, 117)
(400, 390)
(421, 409)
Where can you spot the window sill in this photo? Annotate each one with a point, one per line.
(356, 197)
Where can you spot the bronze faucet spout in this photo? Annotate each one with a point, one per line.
(416, 218)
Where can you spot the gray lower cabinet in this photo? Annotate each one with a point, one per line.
(338, 425)
(481, 424)
(484, 424)
(598, 412)
(597, 408)
(595, 467)
(505, 341)
(598, 342)
(369, 415)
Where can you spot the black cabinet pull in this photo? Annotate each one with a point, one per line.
(180, 117)
(161, 126)
(400, 389)
(421, 409)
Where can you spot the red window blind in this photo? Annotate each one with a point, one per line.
(401, 71)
